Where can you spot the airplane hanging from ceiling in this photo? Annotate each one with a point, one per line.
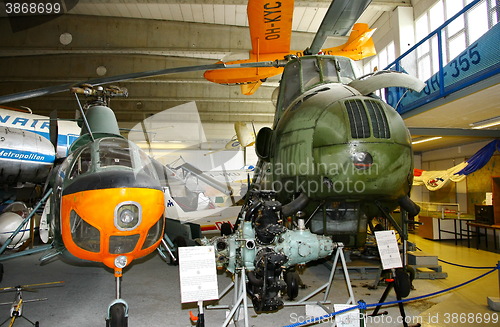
(270, 24)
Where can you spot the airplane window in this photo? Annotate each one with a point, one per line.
(82, 163)
(114, 151)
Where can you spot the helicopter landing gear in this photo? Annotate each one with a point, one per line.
(118, 309)
(292, 281)
(117, 314)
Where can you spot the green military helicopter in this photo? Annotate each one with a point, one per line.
(337, 155)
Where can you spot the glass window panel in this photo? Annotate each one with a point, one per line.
(310, 73)
(82, 164)
(122, 244)
(382, 59)
(346, 72)
(494, 11)
(477, 19)
(292, 84)
(457, 45)
(452, 7)
(456, 26)
(435, 55)
(368, 68)
(423, 49)
(424, 68)
(114, 151)
(436, 15)
(421, 27)
(391, 52)
(83, 234)
(330, 71)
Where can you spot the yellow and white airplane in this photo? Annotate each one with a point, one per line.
(270, 25)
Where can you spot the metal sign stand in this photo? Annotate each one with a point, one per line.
(338, 254)
(240, 293)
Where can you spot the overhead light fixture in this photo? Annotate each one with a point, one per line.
(65, 38)
(426, 140)
(101, 70)
(486, 123)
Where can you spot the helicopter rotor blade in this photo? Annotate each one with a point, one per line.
(339, 19)
(30, 287)
(120, 78)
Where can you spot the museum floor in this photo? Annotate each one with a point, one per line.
(151, 288)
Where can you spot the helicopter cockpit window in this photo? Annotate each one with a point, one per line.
(347, 74)
(310, 73)
(330, 73)
(82, 163)
(291, 89)
(114, 152)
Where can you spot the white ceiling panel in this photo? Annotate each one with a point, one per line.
(186, 12)
(230, 15)
(208, 14)
(219, 14)
(316, 20)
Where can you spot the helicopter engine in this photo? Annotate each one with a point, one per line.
(266, 247)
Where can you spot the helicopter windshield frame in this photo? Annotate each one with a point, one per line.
(110, 153)
(305, 73)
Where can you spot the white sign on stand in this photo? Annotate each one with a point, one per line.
(198, 274)
(351, 318)
(388, 249)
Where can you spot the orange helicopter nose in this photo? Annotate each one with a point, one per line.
(112, 225)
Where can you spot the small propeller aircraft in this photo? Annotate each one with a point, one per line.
(270, 32)
(335, 157)
(16, 307)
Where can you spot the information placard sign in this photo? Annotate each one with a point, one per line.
(388, 249)
(198, 274)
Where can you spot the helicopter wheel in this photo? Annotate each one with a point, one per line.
(117, 316)
(179, 241)
(292, 281)
(403, 281)
(37, 324)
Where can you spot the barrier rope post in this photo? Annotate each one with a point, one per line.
(392, 283)
(494, 302)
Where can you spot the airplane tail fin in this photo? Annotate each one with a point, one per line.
(359, 45)
(250, 88)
